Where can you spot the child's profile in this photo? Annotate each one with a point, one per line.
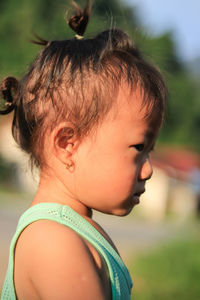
(88, 112)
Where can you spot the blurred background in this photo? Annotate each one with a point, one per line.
(160, 240)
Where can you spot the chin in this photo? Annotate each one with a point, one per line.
(122, 212)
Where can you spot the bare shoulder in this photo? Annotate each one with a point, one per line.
(58, 262)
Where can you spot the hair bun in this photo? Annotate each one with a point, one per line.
(8, 87)
(78, 22)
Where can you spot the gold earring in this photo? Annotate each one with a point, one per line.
(70, 166)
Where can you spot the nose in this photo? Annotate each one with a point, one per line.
(146, 170)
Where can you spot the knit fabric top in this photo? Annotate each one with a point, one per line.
(120, 279)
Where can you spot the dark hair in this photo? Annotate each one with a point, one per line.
(76, 80)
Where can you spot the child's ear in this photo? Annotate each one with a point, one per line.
(65, 142)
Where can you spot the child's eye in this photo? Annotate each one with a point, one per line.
(138, 147)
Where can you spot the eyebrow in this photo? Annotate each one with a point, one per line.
(151, 136)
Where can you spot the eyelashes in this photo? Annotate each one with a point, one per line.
(141, 147)
(138, 147)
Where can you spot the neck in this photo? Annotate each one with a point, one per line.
(52, 190)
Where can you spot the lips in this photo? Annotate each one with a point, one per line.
(136, 196)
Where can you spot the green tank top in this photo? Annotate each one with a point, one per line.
(121, 283)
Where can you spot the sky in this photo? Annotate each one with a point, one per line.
(180, 16)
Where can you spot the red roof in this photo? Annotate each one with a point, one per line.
(176, 162)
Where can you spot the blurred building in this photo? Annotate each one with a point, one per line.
(23, 176)
(175, 185)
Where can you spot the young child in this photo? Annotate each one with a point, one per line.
(88, 112)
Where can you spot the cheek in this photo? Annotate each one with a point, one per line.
(112, 178)
(105, 178)
(127, 180)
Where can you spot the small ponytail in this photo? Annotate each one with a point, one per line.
(78, 22)
(8, 89)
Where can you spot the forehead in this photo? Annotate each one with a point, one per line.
(131, 113)
(126, 122)
(129, 105)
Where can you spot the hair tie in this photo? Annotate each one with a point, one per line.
(78, 36)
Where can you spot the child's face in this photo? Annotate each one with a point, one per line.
(113, 164)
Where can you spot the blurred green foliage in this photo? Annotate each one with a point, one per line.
(169, 272)
(19, 19)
